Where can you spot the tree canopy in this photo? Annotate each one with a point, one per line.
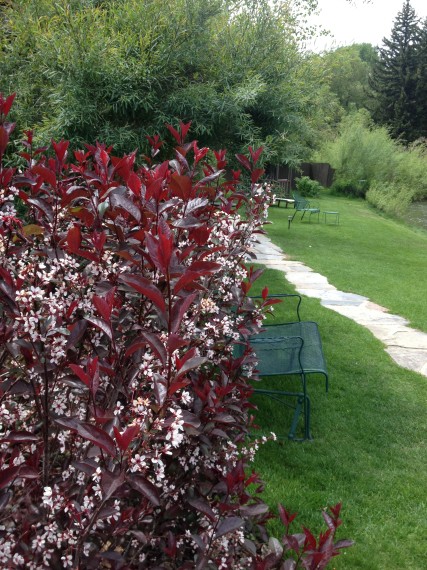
(118, 70)
(396, 77)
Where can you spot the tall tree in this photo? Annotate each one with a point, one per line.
(421, 90)
(394, 76)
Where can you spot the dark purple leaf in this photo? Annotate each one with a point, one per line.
(77, 333)
(179, 309)
(228, 525)
(254, 510)
(344, 543)
(188, 222)
(146, 488)
(145, 287)
(210, 178)
(118, 200)
(111, 482)
(17, 472)
(20, 437)
(90, 432)
(191, 419)
(43, 207)
(153, 341)
(202, 506)
(102, 325)
(192, 363)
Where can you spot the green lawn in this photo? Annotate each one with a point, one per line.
(367, 254)
(370, 432)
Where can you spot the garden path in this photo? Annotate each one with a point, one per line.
(407, 346)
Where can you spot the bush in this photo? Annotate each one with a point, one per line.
(308, 187)
(350, 188)
(123, 412)
(368, 162)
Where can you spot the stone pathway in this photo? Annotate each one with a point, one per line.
(407, 346)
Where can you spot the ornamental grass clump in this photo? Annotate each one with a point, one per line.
(123, 414)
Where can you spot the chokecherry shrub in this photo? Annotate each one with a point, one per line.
(123, 413)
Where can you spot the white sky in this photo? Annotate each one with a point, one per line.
(359, 22)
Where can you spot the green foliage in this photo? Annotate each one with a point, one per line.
(396, 77)
(348, 70)
(308, 187)
(118, 70)
(368, 161)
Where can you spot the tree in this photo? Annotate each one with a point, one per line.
(118, 70)
(395, 74)
(349, 69)
(421, 89)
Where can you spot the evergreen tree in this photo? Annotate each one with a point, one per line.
(421, 90)
(394, 78)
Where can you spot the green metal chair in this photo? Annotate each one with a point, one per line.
(293, 348)
(305, 206)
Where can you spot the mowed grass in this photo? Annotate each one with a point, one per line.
(370, 431)
(366, 253)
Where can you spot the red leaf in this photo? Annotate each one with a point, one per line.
(285, 516)
(4, 139)
(103, 308)
(60, 149)
(134, 184)
(78, 371)
(181, 186)
(125, 439)
(153, 341)
(205, 267)
(160, 250)
(145, 287)
(74, 239)
(255, 154)
(310, 541)
(174, 133)
(46, 174)
(175, 342)
(188, 278)
(256, 174)
(244, 161)
(191, 364)
(264, 293)
(179, 309)
(175, 386)
(6, 104)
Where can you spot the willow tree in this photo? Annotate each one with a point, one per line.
(118, 70)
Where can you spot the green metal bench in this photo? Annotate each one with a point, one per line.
(293, 348)
(305, 206)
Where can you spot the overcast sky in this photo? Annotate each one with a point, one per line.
(359, 22)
